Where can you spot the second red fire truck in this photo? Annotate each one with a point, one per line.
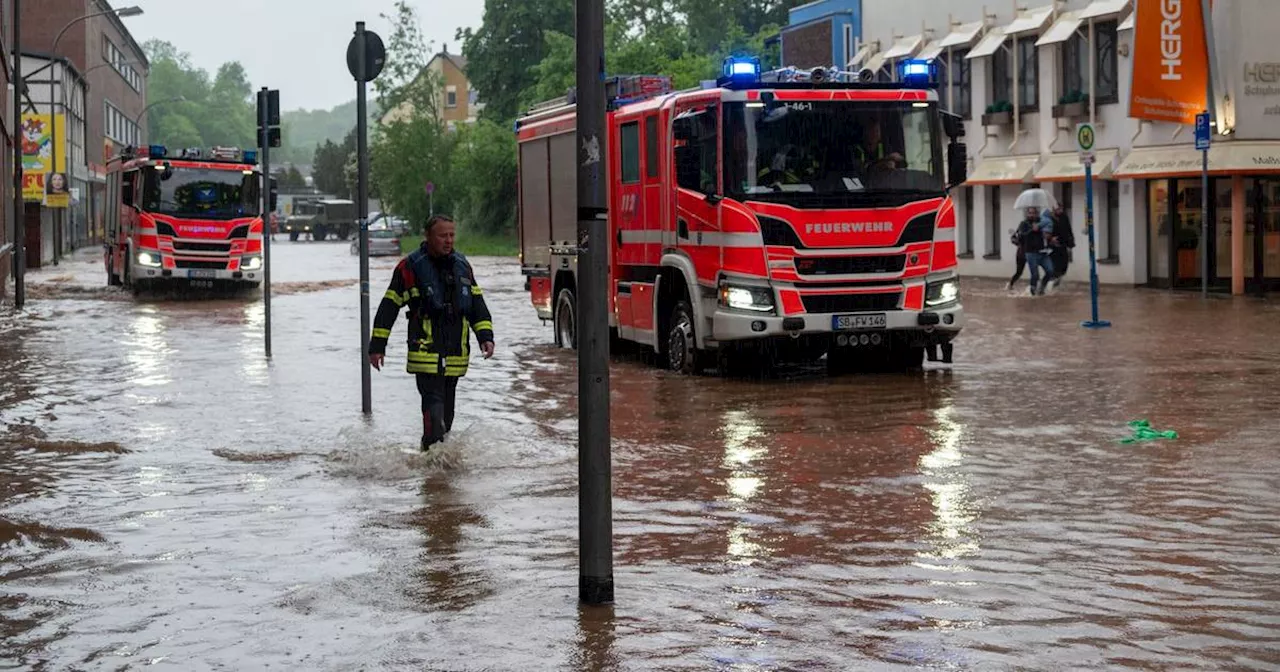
(191, 218)
(770, 216)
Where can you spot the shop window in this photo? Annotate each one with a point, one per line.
(1111, 235)
(966, 241)
(993, 217)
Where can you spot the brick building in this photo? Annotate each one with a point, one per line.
(6, 153)
(115, 70)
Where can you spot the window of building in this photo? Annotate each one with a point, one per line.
(120, 63)
(451, 96)
(993, 216)
(1075, 64)
(651, 145)
(966, 240)
(848, 43)
(1028, 75)
(1001, 77)
(1066, 198)
(630, 152)
(119, 127)
(1111, 237)
(958, 74)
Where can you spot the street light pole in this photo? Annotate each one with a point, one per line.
(137, 120)
(19, 204)
(53, 111)
(595, 480)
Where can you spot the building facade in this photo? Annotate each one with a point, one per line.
(822, 33)
(7, 215)
(457, 101)
(1025, 73)
(54, 123)
(114, 69)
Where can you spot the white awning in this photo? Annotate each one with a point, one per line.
(1062, 30)
(1103, 9)
(989, 44)
(963, 36)
(931, 51)
(1066, 167)
(1030, 21)
(875, 62)
(904, 47)
(864, 52)
(1127, 24)
(1004, 170)
(1225, 158)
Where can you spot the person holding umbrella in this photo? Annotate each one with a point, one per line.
(1034, 234)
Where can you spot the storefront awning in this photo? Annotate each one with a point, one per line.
(963, 35)
(904, 47)
(1066, 26)
(1004, 170)
(1066, 167)
(1225, 158)
(875, 62)
(1128, 23)
(1030, 21)
(930, 51)
(1103, 9)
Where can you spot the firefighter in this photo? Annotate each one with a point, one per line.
(872, 152)
(445, 304)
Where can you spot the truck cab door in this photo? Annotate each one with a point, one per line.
(698, 188)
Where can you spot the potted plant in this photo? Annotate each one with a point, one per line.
(999, 113)
(1074, 104)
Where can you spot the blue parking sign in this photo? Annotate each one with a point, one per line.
(1202, 131)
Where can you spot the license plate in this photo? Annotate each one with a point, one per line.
(201, 273)
(866, 321)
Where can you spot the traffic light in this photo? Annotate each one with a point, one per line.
(273, 196)
(268, 118)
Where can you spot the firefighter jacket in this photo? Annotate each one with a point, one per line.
(444, 305)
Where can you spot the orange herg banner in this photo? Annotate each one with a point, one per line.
(1170, 62)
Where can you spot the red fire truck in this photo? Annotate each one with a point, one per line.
(193, 218)
(761, 217)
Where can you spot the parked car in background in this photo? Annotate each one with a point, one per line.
(383, 220)
(382, 242)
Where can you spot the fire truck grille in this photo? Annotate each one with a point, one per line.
(196, 263)
(194, 246)
(850, 303)
(880, 263)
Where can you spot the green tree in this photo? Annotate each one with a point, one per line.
(510, 40)
(483, 177)
(214, 111)
(291, 178)
(328, 165)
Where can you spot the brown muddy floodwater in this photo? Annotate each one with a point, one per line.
(168, 498)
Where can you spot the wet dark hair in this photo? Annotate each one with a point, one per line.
(436, 219)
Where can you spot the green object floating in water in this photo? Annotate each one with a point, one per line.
(1143, 432)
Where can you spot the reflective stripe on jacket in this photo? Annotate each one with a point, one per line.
(445, 305)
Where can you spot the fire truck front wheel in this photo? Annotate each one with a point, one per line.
(566, 320)
(683, 355)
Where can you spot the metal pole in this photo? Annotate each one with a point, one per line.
(54, 213)
(263, 122)
(362, 211)
(1095, 323)
(1204, 222)
(595, 504)
(19, 205)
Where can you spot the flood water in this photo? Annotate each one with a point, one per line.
(169, 498)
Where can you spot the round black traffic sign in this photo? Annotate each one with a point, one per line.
(375, 56)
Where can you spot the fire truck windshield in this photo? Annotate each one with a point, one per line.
(200, 192)
(804, 151)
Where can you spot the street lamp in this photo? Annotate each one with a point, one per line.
(132, 10)
(137, 121)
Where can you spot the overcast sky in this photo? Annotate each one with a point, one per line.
(305, 54)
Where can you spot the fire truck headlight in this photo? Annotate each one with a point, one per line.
(251, 263)
(149, 259)
(942, 293)
(755, 299)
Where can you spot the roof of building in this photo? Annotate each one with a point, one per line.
(459, 61)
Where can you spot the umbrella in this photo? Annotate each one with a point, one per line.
(1035, 198)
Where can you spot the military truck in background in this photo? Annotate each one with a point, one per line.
(301, 216)
(336, 216)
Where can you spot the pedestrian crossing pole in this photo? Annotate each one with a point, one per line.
(1085, 142)
(365, 57)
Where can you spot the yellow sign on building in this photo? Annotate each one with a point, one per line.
(38, 155)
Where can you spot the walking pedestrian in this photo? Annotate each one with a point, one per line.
(1020, 258)
(1064, 240)
(445, 304)
(1034, 232)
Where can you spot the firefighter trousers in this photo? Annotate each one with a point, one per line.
(438, 393)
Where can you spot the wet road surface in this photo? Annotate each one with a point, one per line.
(169, 498)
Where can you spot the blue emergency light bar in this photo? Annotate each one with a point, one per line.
(741, 68)
(918, 72)
(156, 151)
(250, 155)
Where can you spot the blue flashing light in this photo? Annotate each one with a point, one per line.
(742, 68)
(156, 151)
(250, 155)
(918, 72)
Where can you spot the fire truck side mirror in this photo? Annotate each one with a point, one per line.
(952, 125)
(957, 164)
